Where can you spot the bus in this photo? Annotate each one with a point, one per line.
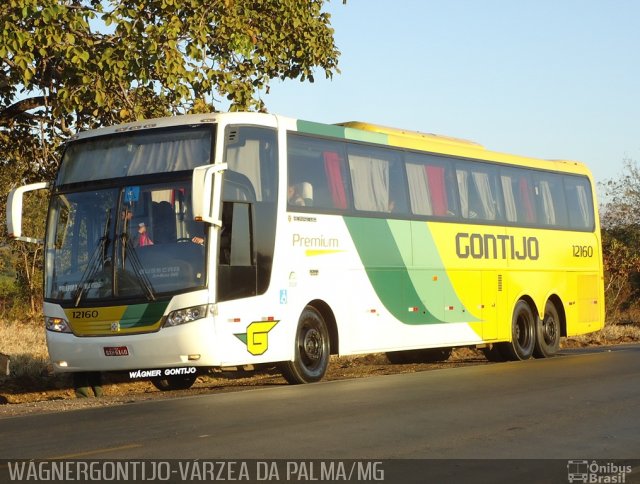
(242, 240)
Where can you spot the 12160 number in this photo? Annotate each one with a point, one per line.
(84, 314)
(582, 251)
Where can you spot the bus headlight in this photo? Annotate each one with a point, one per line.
(59, 325)
(182, 316)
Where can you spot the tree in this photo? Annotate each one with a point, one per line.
(93, 62)
(620, 221)
(69, 65)
(622, 195)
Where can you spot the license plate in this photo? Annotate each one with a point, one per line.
(116, 351)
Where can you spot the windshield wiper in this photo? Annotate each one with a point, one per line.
(96, 261)
(138, 268)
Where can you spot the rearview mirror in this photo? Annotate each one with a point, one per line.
(206, 193)
(14, 211)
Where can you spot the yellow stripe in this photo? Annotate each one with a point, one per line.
(312, 252)
(97, 321)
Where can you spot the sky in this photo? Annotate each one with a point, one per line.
(553, 79)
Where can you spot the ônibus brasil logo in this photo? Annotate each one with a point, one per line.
(595, 472)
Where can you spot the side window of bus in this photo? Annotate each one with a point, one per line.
(579, 202)
(317, 176)
(377, 180)
(430, 186)
(517, 190)
(549, 192)
(478, 190)
(251, 155)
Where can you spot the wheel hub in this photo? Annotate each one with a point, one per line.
(549, 330)
(313, 344)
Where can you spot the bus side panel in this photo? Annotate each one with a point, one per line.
(412, 300)
(527, 262)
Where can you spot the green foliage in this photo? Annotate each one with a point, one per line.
(100, 62)
(622, 271)
(620, 220)
(70, 65)
(621, 212)
(10, 298)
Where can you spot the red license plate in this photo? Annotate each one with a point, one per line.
(116, 351)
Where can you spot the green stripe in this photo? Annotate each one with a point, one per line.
(139, 315)
(386, 269)
(386, 249)
(341, 132)
(321, 129)
(427, 263)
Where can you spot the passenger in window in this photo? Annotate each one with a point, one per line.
(143, 238)
(294, 197)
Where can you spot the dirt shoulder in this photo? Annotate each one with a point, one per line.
(54, 393)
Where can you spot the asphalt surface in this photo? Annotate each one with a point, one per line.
(540, 414)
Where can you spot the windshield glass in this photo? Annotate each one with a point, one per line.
(125, 242)
(136, 153)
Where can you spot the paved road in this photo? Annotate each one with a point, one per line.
(582, 405)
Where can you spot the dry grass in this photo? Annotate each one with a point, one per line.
(32, 381)
(609, 335)
(25, 344)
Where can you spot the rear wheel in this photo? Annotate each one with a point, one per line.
(312, 350)
(523, 328)
(175, 382)
(548, 332)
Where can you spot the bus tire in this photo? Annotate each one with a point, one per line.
(548, 332)
(174, 382)
(523, 333)
(312, 350)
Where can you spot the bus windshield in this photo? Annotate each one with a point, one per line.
(124, 242)
(136, 153)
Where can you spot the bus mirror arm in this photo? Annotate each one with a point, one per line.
(207, 193)
(14, 211)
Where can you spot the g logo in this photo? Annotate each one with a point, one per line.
(257, 336)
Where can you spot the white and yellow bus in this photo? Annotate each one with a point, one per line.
(244, 239)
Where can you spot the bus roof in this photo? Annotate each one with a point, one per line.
(355, 130)
(449, 145)
(417, 135)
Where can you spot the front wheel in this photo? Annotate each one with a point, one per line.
(174, 382)
(523, 327)
(548, 332)
(312, 349)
